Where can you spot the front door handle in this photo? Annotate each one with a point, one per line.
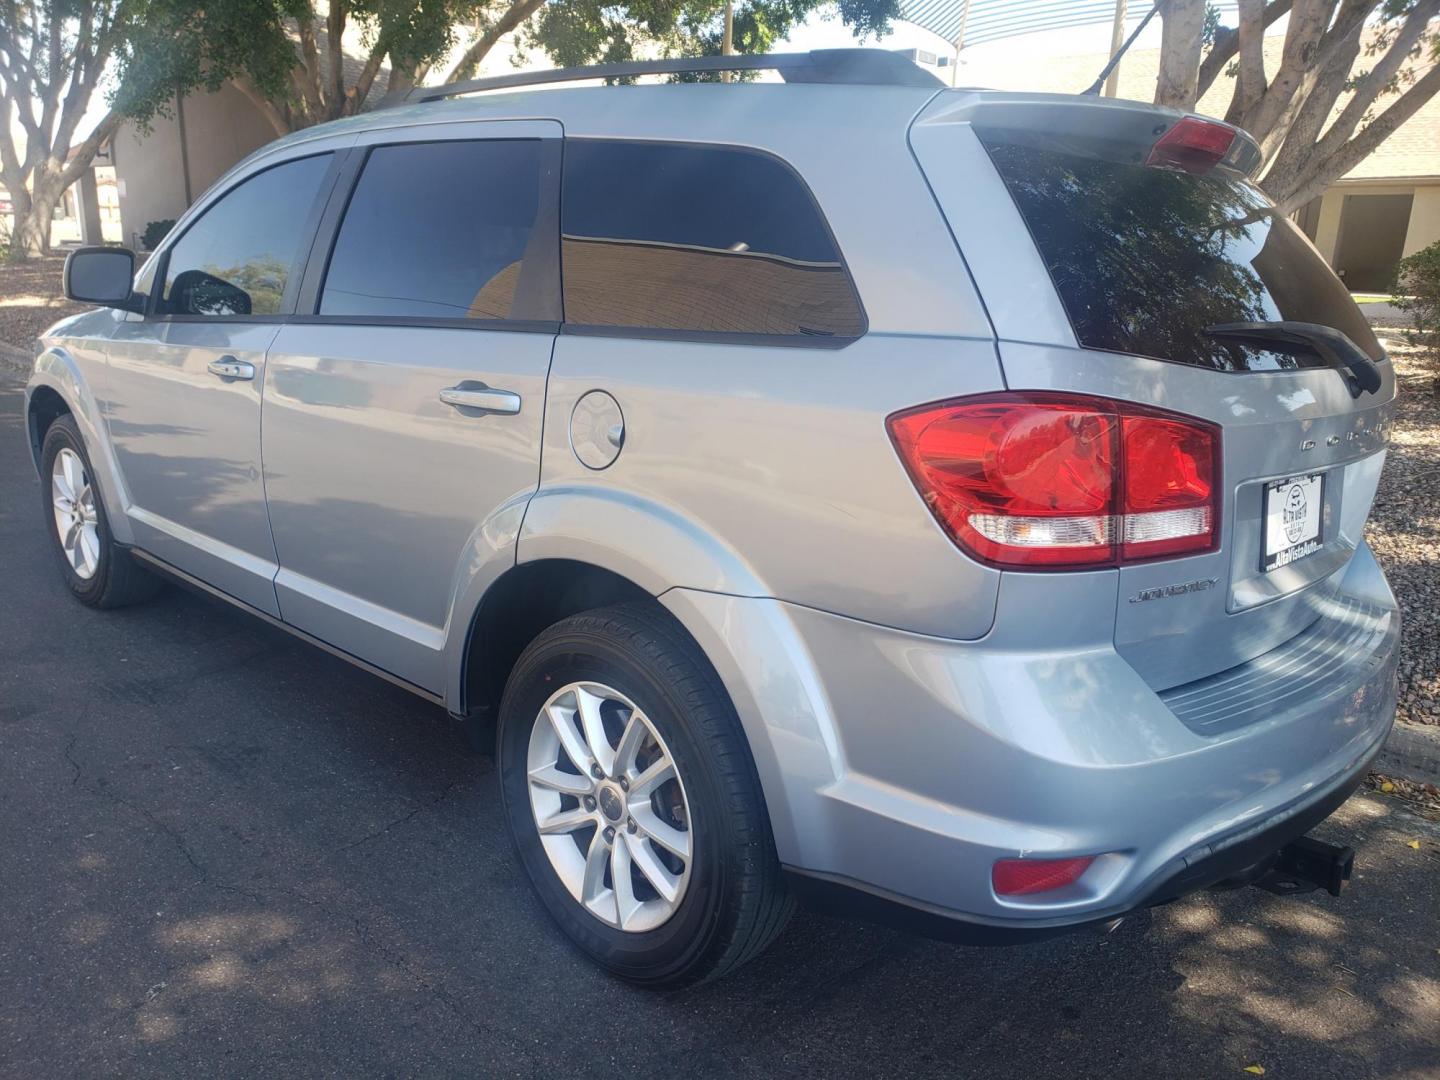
(227, 367)
(481, 398)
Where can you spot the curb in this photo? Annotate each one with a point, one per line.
(1412, 752)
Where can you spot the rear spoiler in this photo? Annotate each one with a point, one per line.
(1092, 127)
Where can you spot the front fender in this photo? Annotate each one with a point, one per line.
(57, 369)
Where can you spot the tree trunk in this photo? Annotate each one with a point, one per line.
(1227, 44)
(519, 11)
(1180, 40)
(402, 80)
(92, 231)
(1301, 141)
(1293, 188)
(1270, 117)
(1250, 67)
(31, 233)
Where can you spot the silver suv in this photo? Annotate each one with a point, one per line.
(927, 504)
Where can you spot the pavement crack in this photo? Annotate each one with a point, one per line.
(69, 753)
(103, 790)
(399, 821)
(175, 835)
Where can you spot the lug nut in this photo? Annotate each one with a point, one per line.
(597, 772)
(589, 802)
(630, 826)
(609, 835)
(624, 784)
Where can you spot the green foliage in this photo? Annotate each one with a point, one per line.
(1417, 293)
(155, 231)
(574, 32)
(158, 49)
(1211, 27)
(183, 47)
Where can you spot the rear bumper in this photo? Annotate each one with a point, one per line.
(900, 767)
(1209, 864)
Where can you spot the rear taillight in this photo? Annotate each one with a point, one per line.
(1059, 480)
(1024, 877)
(1192, 145)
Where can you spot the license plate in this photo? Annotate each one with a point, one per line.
(1292, 520)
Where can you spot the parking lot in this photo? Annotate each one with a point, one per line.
(224, 852)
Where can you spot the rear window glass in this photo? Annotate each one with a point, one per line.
(436, 231)
(1145, 259)
(697, 239)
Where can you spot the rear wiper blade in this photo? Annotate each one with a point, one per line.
(1308, 339)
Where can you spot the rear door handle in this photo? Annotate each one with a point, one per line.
(227, 367)
(482, 398)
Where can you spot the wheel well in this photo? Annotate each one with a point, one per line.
(525, 601)
(46, 406)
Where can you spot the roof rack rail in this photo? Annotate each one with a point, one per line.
(875, 67)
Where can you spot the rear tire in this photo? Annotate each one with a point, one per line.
(98, 572)
(672, 921)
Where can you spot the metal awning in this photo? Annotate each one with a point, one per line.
(991, 20)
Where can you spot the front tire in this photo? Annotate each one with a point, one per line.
(633, 802)
(98, 572)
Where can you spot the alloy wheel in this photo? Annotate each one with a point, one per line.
(610, 807)
(76, 518)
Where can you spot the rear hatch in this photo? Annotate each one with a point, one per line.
(1148, 268)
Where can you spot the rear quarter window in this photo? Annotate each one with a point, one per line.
(1144, 259)
(698, 239)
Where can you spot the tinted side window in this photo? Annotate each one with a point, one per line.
(691, 238)
(238, 257)
(436, 230)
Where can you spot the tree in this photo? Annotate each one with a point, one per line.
(289, 56)
(286, 54)
(53, 56)
(586, 31)
(1317, 116)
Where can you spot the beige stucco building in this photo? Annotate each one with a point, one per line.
(1385, 208)
(160, 172)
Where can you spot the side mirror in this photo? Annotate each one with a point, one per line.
(102, 275)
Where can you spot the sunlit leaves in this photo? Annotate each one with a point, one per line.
(591, 31)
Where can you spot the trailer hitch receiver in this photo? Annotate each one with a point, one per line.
(1307, 864)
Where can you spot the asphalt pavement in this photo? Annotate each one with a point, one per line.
(225, 852)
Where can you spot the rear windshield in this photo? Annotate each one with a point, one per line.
(1145, 258)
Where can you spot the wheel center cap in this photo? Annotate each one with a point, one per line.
(612, 805)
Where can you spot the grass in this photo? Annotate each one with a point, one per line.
(1370, 298)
